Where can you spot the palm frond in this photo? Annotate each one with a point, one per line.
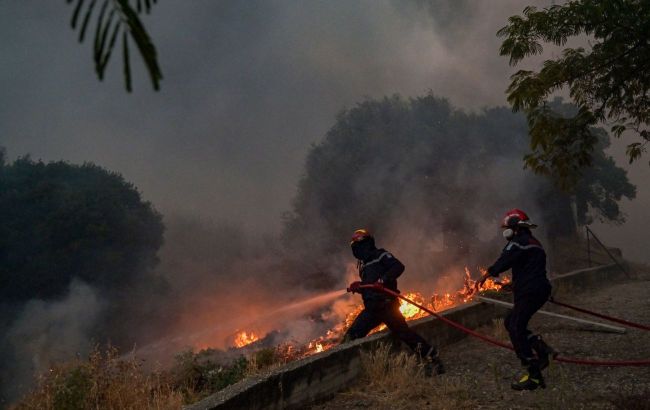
(115, 17)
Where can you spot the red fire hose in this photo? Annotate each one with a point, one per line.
(496, 342)
(600, 315)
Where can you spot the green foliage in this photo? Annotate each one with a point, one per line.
(63, 221)
(561, 147)
(609, 82)
(602, 184)
(115, 17)
(104, 380)
(196, 375)
(601, 187)
(72, 393)
(265, 357)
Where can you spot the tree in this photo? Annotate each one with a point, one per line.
(63, 221)
(117, 18)
(608, 81)
(601, 185)
(422, 167)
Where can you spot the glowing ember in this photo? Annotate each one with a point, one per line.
(245, 338)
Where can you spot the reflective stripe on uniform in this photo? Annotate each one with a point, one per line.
(376, 260)
(520, 246)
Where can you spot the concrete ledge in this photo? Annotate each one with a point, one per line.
(589, 278)
(320, 376)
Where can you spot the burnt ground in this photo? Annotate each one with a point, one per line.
(479, 375)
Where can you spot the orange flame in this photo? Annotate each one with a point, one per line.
(410, 311)
(317, 347)
(436, 302)
(245, 338)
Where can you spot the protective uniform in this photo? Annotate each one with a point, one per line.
(525, 256)
(380, 266)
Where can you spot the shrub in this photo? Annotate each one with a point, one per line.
(104, 380)
(196, 376)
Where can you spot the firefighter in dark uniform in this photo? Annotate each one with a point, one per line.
(378, 266)
(526, 257)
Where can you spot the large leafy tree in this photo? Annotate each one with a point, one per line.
(62, 222)
(608, 80)
(77, 248)
(117, 21)
(601, 187)
(602, 184)
(421, 166)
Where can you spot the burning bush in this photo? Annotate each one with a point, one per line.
(436, 302)
(105, 378)
(288, 348)
(245, 338)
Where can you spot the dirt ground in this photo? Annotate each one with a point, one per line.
(479, 375)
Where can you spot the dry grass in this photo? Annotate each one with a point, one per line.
(103, 381)
(107, 381)
(263, 361)
(397, 381)
(497, 330)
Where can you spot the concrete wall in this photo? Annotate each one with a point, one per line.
(589, 278)
(321, 375)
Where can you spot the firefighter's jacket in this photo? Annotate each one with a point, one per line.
(526, 257)
(380, 264)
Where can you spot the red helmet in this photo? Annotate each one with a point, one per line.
(516, 217)
(360, 235)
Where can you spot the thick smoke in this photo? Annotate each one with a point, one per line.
(50, 331)
(248, 87)
(220, 281)
(426, 178)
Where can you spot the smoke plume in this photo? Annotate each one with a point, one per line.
(249, 89)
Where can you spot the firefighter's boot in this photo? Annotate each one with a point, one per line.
(433, 365)
(544, 351)
(532, 379)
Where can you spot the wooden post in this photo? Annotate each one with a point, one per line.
(608, 252)
(588, 246)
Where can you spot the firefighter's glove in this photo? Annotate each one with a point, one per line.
(355, 287)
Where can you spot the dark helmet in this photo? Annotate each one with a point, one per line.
(362, 244)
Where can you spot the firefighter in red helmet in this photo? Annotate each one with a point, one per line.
(525, 256)
(378, 266)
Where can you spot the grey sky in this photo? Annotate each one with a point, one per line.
(248, 87)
